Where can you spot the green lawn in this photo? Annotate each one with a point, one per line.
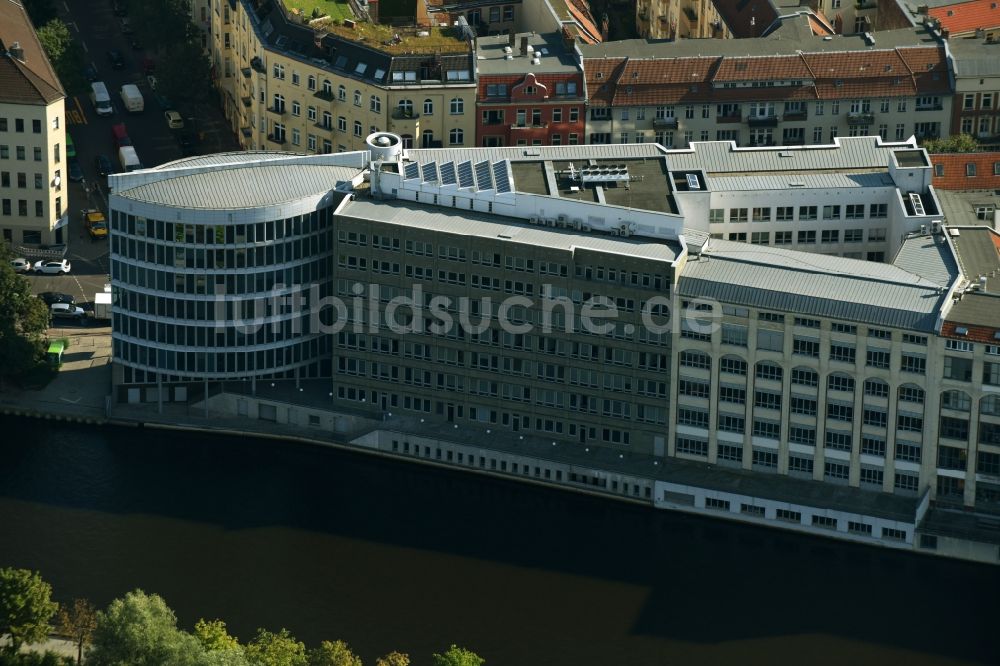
(332, 8)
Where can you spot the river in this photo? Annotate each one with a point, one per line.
(389, 555)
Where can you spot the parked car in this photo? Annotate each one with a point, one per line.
(51, 297)
(161, 101)
(61, 267)
(20, 265)
(174, 120)
(75, 171)
(90, 72)
(116, 59)
(67, 311)
(103, 165)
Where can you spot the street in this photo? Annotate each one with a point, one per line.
(98, 30)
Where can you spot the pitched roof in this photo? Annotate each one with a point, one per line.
(964, 17)
(951, 171)
(30, 79)
(895, 72)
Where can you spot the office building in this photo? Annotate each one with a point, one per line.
(835, 395)
(33, 159)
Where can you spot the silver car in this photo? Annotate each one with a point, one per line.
(66, 311)
(20, 265)
(60, 267)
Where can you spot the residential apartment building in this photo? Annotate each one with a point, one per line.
(531, 91)
(785, 92)
(666, 19)
(33, 163)
(324, 88)
(972, 18)
(820, 388)
(976, 104)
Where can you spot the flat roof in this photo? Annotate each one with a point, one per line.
(979, 309)
(783, 280)
(978, 250)
(549, 49)
(930, 257)
(508, 229)
(959, 208)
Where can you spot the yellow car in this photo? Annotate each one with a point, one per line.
(97, 225)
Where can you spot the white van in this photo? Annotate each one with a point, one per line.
(101, 99)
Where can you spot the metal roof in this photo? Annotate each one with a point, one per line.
(818, 285)
(751, 182)
(929, 257)
(512, 230)
(240, 188)
(864, 152)
(236, 157)
(537, 153)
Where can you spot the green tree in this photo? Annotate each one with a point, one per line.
(393, 659)
(456, 656)
(184, 75)
(26, 607)
(958, 143)
(78, 622)
(276, 649)
(334, 653)
(141, 630)
(213, 636)
(22, 324)
(64, 53)
(162, 23)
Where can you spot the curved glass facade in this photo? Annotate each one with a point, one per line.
(197, 300)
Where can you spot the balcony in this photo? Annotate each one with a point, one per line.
(864, 118)
(763, 121)
(247, 101)
(325, 95)
(277, 138)
(731, 118)
(257, 65)
(277, 110)
(327, 127)
(404, 114)
(797, 114)
(521, 126)
(759, 144)
(246, 72)
(669, 123)
(793, 141)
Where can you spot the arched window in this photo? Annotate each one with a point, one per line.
(405, 107)
(311, 82)
(957, 400)
(427, 139)
(733, 365)
(327, 87)
(456, 137)
(695, 359)
(357, 98)
(876, 388)
(407, 141)
(990, 405)
(911, 393)
(838, 381)
(342, 93)
(428, 107)
(457, 106)
(804, 376)
(768, 370)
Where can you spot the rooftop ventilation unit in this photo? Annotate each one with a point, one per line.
(918, 204)
(603, 174)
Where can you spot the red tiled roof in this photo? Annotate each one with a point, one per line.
(968, 16)
(976, 333)
(955, 165)
(825, 75)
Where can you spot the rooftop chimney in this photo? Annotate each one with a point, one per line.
(524, 45)
(16, 51)
(512, 41)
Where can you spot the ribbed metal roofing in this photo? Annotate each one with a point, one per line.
(537, 153)
(804, 283)
(929, 257)
(241, 188)
(236, 157)
(481, 225)
(810, 181)
(846, 153)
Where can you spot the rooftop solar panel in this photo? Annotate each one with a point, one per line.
(500, 176)
(431, 172)
(465, 178)
(484, 177)
(448, 176)
(411, 171)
